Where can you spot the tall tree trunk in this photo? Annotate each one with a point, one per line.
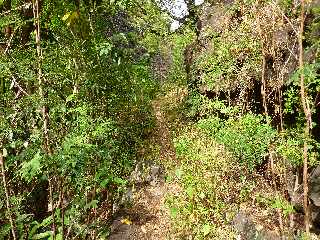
(263, 80)
(307, 112)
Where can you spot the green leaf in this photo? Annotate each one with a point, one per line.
(105, 48)
(190, 191)
(92, 204)
(179, 173)
(32, 168)
(71, 98)
(174, 211)
(206, 229)
(119, 181)
(59, 236)
(42, 235)
(105, 182)
(23, 217)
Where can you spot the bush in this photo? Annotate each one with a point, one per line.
(200, 106)
(289, 147)
(210, 181)
(248, 137)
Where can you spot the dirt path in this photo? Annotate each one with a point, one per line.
(148, 219)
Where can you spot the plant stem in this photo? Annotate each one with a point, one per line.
(53, 209)
(4, 181)
(45, 111)
(307, 113)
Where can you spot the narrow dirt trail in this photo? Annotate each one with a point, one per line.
(163, 134)
(148, 219)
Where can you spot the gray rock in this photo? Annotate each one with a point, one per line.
(120, 231)
(146, 172)
(314, 192)
(248, 230)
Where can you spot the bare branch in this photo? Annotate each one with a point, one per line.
(307, 112)
(9, 43)
(288, 20)
(15, 82)
(23, 6)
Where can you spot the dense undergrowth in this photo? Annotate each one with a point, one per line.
(217, 174)
(238, 82)
(75, 108)
(252, 90)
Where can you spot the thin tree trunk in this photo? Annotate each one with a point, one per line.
(280, 107)
(4, 181)
(45, 111)
(61, 206)
(263, 79)
(62, 212)
(307, 113)
(53, 209)
(263, 72)
(45, 114)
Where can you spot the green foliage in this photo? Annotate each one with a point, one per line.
(31, 168)
(247, 138)
(242, 44)
(232, 60)
(310, 74)
(200, 106)
(277, 202)
(97, 84)
(208, 198)
(289, 146)
(97, 88)
(292, 101)
(179, 43)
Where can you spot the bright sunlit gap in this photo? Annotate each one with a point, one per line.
(180, 10)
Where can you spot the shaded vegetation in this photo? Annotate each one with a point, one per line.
(238, 86)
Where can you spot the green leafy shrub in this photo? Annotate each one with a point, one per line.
(276, 202)
(200, 106)
(289, 146)
(210, 181)
(98, 87)
(248, 137)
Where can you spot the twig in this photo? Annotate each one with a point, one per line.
(62, 212)
(287, 61)
(288, 20)
(9, 42)
(263, 73)
(53, 209)
(4, 181)
(26, 5)
(14, 80)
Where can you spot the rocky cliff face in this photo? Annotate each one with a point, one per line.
(244, 46)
